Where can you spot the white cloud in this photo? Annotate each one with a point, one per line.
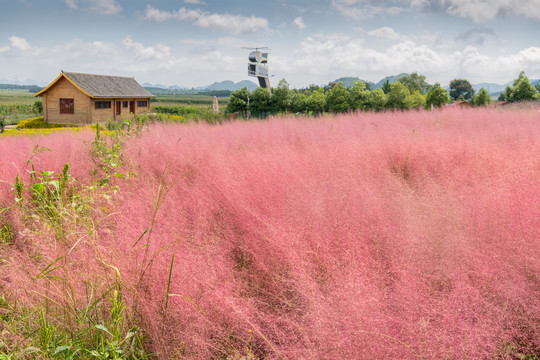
(194, 2)
(365, 9)
(331, 58)
(16, 45)
(299, 23)
(477, 10)
(236, 24)
(158, 52)
(387, 33)
(480, 10)
(107, 7)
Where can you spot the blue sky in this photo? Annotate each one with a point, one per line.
(196, 42)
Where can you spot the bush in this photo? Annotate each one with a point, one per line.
(39, 123)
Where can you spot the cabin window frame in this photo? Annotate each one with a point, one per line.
(142, 103)
(102, 105)
(125, 104)
(67, 106)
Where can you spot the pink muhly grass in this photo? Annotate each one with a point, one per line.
(394, 235)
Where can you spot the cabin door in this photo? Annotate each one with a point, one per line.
(132, 107)
(118, 108)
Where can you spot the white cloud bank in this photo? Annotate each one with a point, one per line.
(329, 57)
(107, 7)
(235, 24)
(332, 58)
(16, 45)
(477, 10)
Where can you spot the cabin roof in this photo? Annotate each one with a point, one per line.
(103, 86)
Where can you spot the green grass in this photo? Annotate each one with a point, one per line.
(195, 100)
(17, 97)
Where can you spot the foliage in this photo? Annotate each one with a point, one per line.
(298, 102)
(415, 82)
(182, 113)
(507, 94)
(281, 98)
(337, 99)
(260, 102)
(386, 87)
(377, 100)
(461, 89)
(316, 102)
(482, 98)
(397, 96)
(415, 101)
(358, 96)
(39, 123)
(437, 96)
(37, 108)
(523, 90)
(238, 101)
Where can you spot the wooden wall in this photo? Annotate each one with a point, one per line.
(63, 89)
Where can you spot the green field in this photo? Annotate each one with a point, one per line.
(195, 100)
(17, 97)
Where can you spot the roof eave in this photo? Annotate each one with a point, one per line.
(56, 80)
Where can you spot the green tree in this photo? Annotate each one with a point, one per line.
(377, 100)
(298, 102)
(415, 82)
(316, 102)
(358, 96)
(238, 101)
(37, 108)
(281, 97)
(396, 96)
(508, 93)
(259, 102)
(461, 88)
(523, 90)
(437, 96)
(537, 86)
(415, 101)
(337, 99)
(386, 87)
(482, 98)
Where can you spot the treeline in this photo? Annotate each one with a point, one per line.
(31, 88)
(408, 92)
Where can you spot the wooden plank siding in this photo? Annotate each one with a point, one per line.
(103, 115)
(63, 89)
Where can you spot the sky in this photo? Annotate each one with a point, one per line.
(193, 43)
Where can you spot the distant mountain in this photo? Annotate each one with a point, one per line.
(229, 85)
(24, 82)
(159, 86)
(490, 87)
(349, 81)
(392, 78)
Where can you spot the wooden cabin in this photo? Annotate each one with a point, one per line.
(75, 98)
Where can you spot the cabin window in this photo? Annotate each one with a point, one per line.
(124, 104)
(103, 104)
(66, 106)
(142, 103)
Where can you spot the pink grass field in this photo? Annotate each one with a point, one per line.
(410, 235)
